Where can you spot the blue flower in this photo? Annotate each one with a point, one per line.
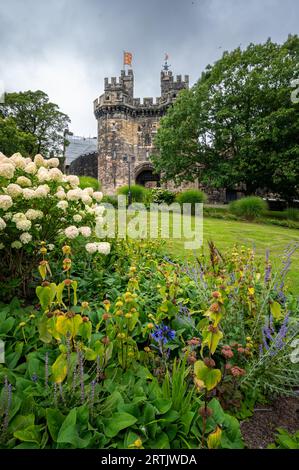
(163, 334)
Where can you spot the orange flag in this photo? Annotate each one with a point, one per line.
(127, 58)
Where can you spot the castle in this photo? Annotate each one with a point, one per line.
(127, 127)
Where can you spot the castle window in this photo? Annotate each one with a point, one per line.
(139, 129)
(147, 139)
(174, 95)
(107, 97)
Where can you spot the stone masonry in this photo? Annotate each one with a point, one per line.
(127, 128)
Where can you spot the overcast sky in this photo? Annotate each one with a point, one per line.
(67, 47)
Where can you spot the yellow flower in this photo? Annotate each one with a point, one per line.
(119, 303)
(150, 326)
(128, 315)
(66, 250)
(85, 305)
(138, 443)
(32, 315)
(119, 313)
(22, 324)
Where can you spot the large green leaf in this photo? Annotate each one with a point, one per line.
(54, 422)
(117, 422)
(29, 434)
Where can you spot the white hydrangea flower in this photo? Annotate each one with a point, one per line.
(7, 216)
(86, 199)
(25, 238)
(39, 160)
(73, 180)
(23, 224)
(91, 248)
(55, 174)
(14, 190)
(29, 193)
(33, 214)
(5, 202)
(53, 162)
(89, 210)
(74, 194)
(23, 181)
(104, 248)
(42, 191)
(18, 160)
(7, 170)
(16, 244)
(71, 232)
(43, 175)
(2, 224)
(85, 231)
(60, 194)
(3, 158)
(31, 168)
(51, 247)
(63, 205)
(77, 218)
(98, 196)
(18, 216)
(88, 191)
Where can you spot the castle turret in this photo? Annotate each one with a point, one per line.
(127, 128)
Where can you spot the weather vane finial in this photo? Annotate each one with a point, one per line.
(166, 64)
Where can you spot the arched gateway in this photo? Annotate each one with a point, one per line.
(145, 175)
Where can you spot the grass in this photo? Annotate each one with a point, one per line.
(225, 234)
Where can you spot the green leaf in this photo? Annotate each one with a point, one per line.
(29, 434)
(44, 334)
(163, 405)
(46, 295)
(54, 422)
(21, 422)
(210, 377)
(6, 325)
(118, 422)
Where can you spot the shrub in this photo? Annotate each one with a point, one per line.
(89, 182)
(249, 208)
(160, 196)
(138, 192)
(191, 196)
(39, 205)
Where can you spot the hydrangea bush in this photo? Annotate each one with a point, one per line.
(40, 203)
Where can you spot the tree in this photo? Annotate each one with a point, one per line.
(34, 114)
(237, 125)
(13, 140)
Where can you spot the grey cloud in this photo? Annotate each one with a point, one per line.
(67, 47)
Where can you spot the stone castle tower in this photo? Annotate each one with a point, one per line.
(127, 127)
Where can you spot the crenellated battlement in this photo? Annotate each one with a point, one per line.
(119, 91)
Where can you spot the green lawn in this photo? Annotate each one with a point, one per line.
(226, 233)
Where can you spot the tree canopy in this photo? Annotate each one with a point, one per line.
(238, 124)
(35, 115)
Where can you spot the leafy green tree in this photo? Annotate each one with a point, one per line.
(237, 125)
(34, 114)
(13, 140)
